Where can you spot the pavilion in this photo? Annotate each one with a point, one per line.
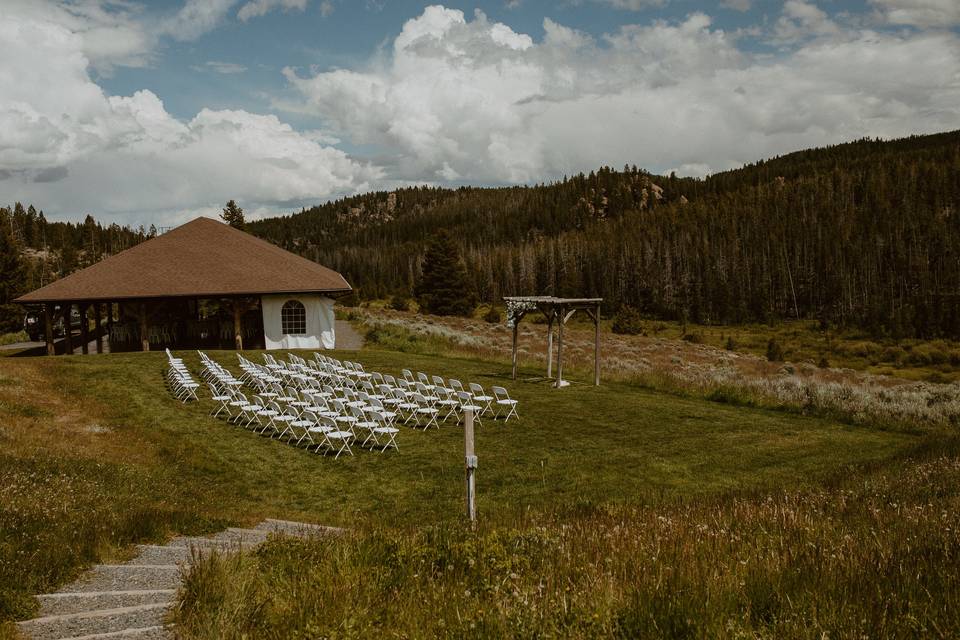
(202, 284)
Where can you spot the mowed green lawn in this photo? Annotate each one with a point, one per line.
(95, 454)
(583, 443)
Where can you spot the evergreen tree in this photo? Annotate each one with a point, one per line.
(12, 280)
(233, 215)
(444, 288)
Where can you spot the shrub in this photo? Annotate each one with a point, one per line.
(731, 344)
(628, 321)
(399, 303)
(693, 338)
(492, 316)
(774, 351)
(824, 363)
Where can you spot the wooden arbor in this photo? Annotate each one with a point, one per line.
(556, 310)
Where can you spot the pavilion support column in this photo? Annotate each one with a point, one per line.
(144, 328)
(84, 330)
(596, 346)
(97, 327)
(550, 345)
(48, 329)
(562, 321)
(516, 328)
(238, 324)
(67, 329)
(110, 320)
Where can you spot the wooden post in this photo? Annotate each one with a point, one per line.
(144, 329)
(67, 330)
(238, 324)
(550, 344)
(516, 327)
(596, 347)
(97, 326)
(84, 329)
(471, 465)
(110, 320)
(563, 321)
(48, 329)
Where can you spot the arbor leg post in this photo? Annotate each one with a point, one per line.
(48, 329)
(550, 346)
(596, 347)
(515, 329)
(559, 382)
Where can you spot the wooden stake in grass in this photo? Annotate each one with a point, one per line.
(471, 464)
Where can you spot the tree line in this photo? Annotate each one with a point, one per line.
(862, 234)
(35, 251)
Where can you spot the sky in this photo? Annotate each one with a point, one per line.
(155, 112)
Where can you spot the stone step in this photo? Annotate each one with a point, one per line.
(236, 534)
(159, 632)
(77, 602)
(209, 544)
(160, 554)
(300, 529)
(101, 621)
(128, 577)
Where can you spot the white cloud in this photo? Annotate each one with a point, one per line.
(920, 13)
(195, 18)
(106, 38)
(456, 98)
(71, 148)
(217, 66)
(256, 8)
(459, 100)
(801, 20)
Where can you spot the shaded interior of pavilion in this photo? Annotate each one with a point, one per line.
(152, 324)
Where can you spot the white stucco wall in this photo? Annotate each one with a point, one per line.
(320, 322)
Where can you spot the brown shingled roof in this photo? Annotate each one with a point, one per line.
(202, 258)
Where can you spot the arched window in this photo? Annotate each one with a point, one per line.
(293, 318)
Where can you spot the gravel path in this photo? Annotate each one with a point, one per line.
(132, 600)
(347, 336)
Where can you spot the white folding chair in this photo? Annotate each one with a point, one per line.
(504, 403)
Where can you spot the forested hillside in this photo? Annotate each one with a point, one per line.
(55, 249)
(865, 233)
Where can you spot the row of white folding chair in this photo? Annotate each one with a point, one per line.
(482, 402)
(313, 416)
(449, 396)
(181, 383)
(361, 414)
(214, 372)
(500, 403)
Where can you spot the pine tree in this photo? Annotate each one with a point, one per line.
(12, 279)
(233, 215)
(444, 288)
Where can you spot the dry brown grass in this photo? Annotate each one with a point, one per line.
(687, 367)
